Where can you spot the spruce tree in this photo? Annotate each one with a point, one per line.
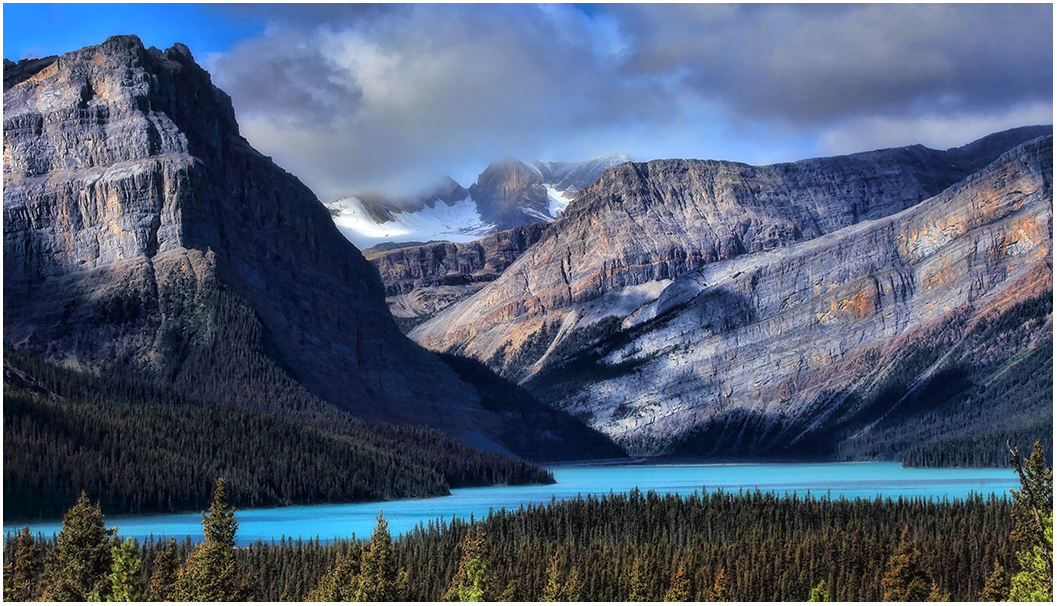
(996, 589)
(341, 582)
(124, 572)
(22, 573)
(906, 579)
(819, 593)
(555, 589)
(162, 584)
(210, 573)
(1033, 513)
(720, 591)
(379, 579)
(639, 590)
(679, 589)
(79, 564)
(471, 582)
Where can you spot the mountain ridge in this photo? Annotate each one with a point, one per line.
(571, 287)
(145, 237)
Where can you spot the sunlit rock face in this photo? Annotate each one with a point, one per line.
(144, 236)
(671, 293)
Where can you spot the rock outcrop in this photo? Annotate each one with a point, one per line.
(643, 224)
(671, 291)
(143, 236)
(423, 279)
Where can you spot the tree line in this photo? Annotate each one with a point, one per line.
(140, 448)
(622, 547)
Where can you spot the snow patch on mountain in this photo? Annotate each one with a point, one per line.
(436, 216)
(557, 200)
(458, 222)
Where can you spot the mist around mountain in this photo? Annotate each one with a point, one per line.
(508, 194)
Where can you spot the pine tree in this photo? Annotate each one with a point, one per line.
(1033, 512)
(162, 584)
(210, 573)
(720, 591)
(124, 571)
(819, 593)
(679, 589)
(379, 580)
(906, 580)
(79, 564)
(471, 582)
(22, 573)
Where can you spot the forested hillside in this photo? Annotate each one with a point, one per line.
(139, 448)
(725, 547)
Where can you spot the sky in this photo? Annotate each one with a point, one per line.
(388, 98)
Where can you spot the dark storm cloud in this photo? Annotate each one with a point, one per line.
(289, 81)
(816, 63)
(387, 96)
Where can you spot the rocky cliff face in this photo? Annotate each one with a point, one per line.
(794, 266)
(805, 337)
(144, 236)
(421, 280)
(643, 224)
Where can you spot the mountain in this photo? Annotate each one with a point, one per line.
(507, 195)
(678, 301)
(421, 279)
(144, 238)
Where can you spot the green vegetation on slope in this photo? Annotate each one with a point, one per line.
(139, 448)
(621, 547)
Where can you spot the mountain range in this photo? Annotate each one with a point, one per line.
(892, 304)
(707, 307)
(507, 194)
(145, 239)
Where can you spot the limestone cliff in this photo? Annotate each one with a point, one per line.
(423, 279)
(674, 294)
(818, 341)
(643, 224)
(144, 236)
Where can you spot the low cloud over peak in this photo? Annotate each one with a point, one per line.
(392, 97)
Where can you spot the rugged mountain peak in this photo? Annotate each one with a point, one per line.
(643, 224)
(144, 236)
(509, 194)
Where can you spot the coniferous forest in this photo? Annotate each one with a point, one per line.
(139, 448)
(623, 547)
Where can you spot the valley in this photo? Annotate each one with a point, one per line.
(589, 380)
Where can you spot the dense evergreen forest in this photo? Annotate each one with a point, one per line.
(623, 547)
(140, 448)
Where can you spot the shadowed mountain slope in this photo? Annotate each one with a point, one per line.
(145, 238)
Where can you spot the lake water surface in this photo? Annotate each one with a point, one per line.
(849, 480)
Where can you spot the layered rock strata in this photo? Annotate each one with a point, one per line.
(421, 280)
(643, 224)
(144, 236)
(787, 335)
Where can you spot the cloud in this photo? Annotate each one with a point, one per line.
(354, 97)
(812, 64)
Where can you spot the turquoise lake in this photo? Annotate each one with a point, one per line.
(835, 480)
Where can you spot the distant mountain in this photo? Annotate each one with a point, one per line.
(680, 305)
(507, 194)
(144, 238)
